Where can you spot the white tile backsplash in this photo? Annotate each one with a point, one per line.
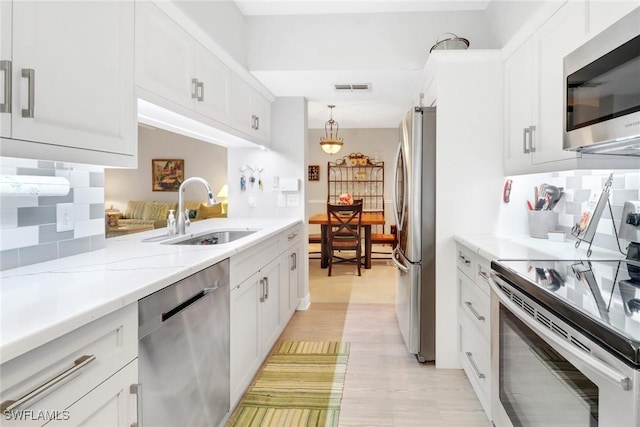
(578, 186)
(33, 237)
(88, 228)
(8, 218)
(20, 237)
(88, 195)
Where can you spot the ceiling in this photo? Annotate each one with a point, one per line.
(304, 48)
(310, 7)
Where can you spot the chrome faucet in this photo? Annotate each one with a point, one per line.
(183, 217)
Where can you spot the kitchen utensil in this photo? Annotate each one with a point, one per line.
(556, 200)
(540, 197)
(553, 193)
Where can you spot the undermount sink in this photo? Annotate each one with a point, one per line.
(212, 238)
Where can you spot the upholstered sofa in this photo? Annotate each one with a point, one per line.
(140, 212)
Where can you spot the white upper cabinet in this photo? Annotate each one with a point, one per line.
(5, 69)
(534, 93)
(562, 34)
(520, 101)
(178, 68)
(164, 56)
(603, 13)
(251, 112)
(172, 64)
(213, 88)
(72, 74)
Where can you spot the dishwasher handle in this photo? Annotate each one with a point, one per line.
(178, 308)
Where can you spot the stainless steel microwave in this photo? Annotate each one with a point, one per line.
(602, 91)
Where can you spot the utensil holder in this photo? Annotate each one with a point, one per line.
(541, 222)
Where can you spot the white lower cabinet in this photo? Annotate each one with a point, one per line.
(111, 404)
(261, 304)
(291, 272)
(256, 323)
(474, 322)
(245, 347)
(83, 378)
(270, 284)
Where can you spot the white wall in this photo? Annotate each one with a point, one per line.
(356, 41)
(222, 20)
(469, 171)
(505, 18)
(285, 159)
(201, 159)
(380, 144)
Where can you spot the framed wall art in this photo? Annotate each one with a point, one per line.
(167, 174)
(314, 173)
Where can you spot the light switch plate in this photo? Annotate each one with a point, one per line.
(64, 217)
(293, 200)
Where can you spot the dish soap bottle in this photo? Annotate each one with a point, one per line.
(171, 223)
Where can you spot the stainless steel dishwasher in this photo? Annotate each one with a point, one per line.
(184, 351)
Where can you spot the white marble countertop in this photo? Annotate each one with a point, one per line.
(524, 247)
(41, 302)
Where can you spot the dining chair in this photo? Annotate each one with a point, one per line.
(344, 233)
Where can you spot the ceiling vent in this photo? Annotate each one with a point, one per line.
(360, 87)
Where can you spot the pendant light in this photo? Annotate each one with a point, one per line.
(330, 143)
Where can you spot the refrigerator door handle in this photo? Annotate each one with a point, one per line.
(399, 219)
(394, 258)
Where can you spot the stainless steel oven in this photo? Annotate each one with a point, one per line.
(549, 369)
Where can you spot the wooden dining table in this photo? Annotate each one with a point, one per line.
(368, 219)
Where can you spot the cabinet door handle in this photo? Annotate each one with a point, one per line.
(266, 282)
(50, 385)
(253, 121)
(483, 274)
(262, 291)
(292, 236)
(532, 147)
(294, 261)
(30, 75)
(473, 311)
(137, 390)
(464, 259)
(469, 357)
(200, 85)
(525, 147)
(194, 88)
(257, 122)
(5, 66)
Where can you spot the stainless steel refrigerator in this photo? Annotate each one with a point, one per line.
(414, 198)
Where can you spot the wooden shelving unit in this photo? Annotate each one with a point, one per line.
(360, 176)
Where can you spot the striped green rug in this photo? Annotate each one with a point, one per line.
(300, 385)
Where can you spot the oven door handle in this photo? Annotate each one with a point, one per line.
(618, 378)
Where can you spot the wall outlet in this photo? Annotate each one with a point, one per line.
(64, 217)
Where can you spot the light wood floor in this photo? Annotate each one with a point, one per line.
(385, 386)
